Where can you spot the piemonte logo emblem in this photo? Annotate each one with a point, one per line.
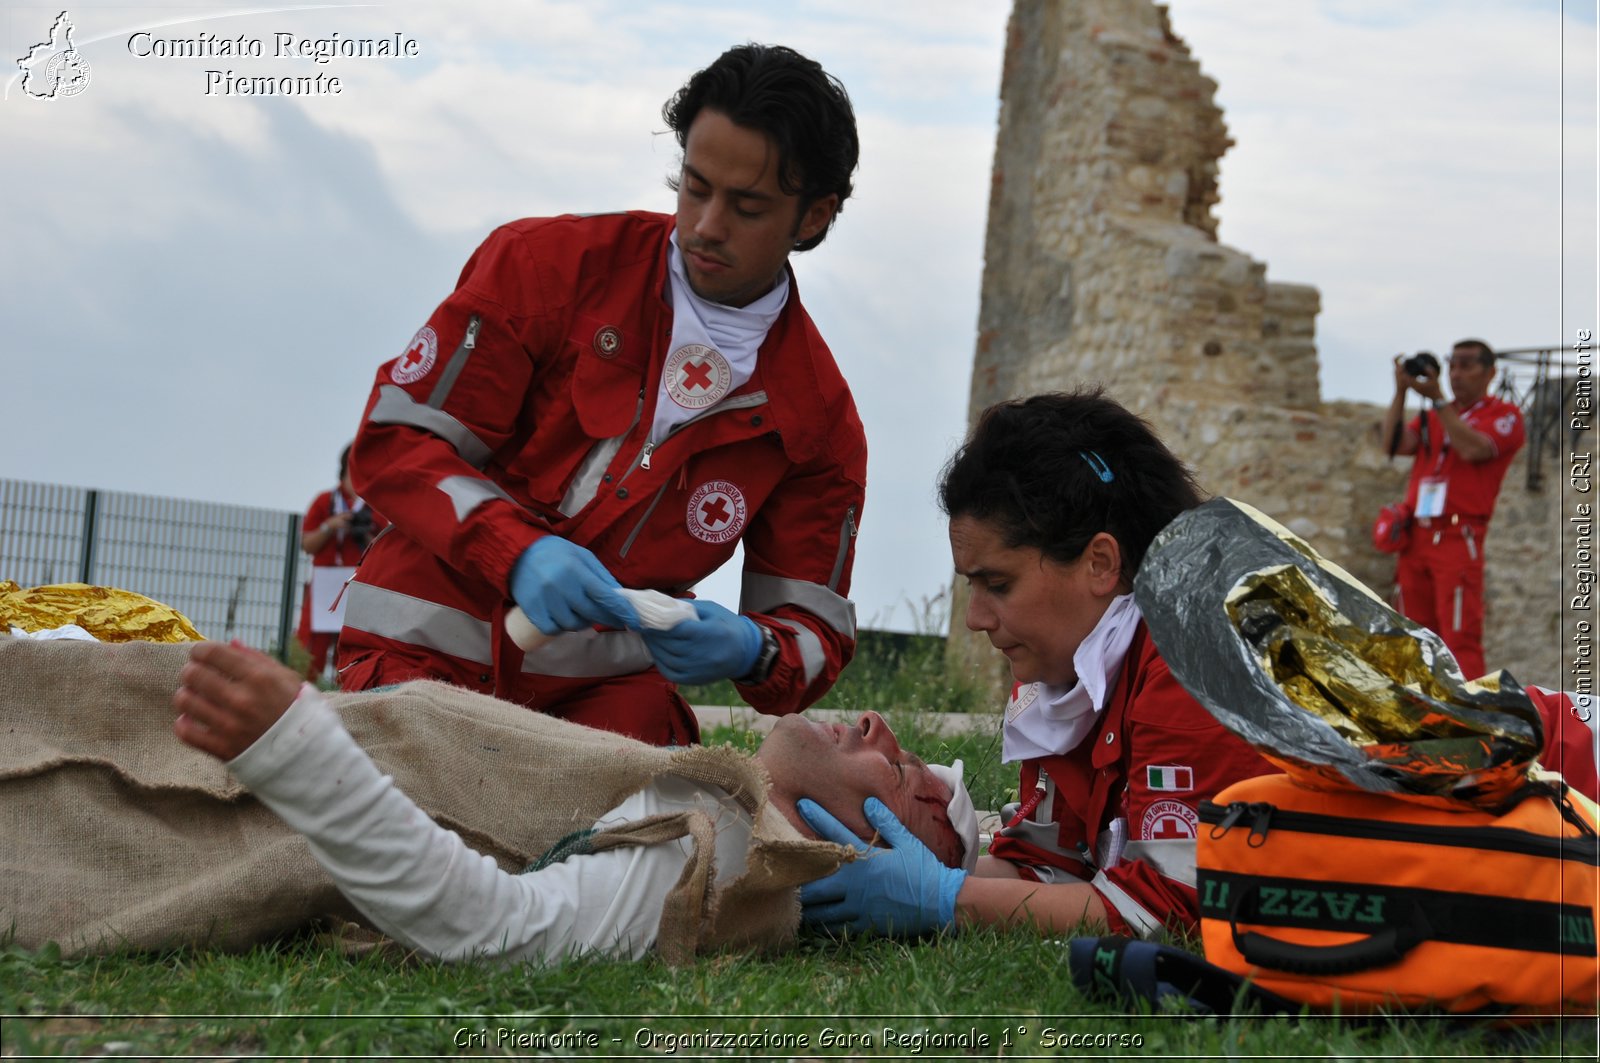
(54, 69)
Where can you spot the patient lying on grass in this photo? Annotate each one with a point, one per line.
(421, 884)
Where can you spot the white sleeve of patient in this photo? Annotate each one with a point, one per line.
(422, 885)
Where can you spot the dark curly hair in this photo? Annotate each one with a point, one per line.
(1052, 471)
(779, 92)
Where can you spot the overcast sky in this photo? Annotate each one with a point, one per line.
(198, 288)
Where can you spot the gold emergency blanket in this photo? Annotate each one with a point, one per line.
(1322, 677)
(109, 614)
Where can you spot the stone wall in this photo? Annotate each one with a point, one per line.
(1102, 265)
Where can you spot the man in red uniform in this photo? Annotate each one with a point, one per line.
(337, 527)
(620, 400)
(1462, 449)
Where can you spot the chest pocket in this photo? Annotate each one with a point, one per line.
(610, 370)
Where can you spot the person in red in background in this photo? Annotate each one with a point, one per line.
(623, 400)
(1462, 448)
(1053, 502)
(336, 529)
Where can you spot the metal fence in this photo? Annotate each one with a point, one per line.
(238, 572)
(234, 571)
(1544, 382)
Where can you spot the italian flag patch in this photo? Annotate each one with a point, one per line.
(1170, 777)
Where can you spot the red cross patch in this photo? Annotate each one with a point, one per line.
(1169, 821)
(608, 341)
(697, 376)
(1025, 695)
(418, 357)
(717, 512)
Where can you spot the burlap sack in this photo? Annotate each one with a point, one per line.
(114, 833)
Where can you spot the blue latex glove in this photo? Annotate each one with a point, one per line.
(563, 587)
(719, 645)
(902, 891)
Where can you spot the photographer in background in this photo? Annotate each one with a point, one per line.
(336, 529)
(1462, 449)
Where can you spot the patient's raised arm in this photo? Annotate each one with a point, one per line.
(228, 696)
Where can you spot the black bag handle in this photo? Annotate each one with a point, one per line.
(1387, 946)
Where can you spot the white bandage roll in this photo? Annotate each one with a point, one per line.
(656, 611)
(522, 631)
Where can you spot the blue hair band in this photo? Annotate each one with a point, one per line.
(1098, 464)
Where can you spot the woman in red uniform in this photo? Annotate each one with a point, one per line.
(1053, 501)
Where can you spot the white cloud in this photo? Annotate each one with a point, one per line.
(206, 284)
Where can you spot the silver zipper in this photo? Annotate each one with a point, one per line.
(743, 402)
(458, 361)
(846, 533)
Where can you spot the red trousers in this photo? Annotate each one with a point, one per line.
(1441, 587)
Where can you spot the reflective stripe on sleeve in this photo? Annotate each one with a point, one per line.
(573, 655)
(761, 594)
(812, 658)
(394, 406)
(579, 654)
(467, 493)
(403, 618)
(1174, 857)
(1138, 916)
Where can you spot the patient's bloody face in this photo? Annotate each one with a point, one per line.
(839, 766)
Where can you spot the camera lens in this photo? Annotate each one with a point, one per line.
(1421, 364)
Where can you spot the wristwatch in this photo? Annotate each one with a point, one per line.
(1439, 405)
(762, 670)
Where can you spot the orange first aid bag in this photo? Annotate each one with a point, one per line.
(1354, 900)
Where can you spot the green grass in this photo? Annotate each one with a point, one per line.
(301, 999)
(890, 674)
(304, 998)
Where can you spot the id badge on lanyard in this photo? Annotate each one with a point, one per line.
(1430, 497)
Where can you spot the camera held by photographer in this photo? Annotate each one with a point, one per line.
(1461, 450)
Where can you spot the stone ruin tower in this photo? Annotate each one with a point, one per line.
(1102, 265)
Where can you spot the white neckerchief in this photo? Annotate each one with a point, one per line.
(1048, 721)
(733, 335)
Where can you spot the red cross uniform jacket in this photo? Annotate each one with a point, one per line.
(1473, 485)
(1121, 809)
(1571, 737)
(522, 409)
